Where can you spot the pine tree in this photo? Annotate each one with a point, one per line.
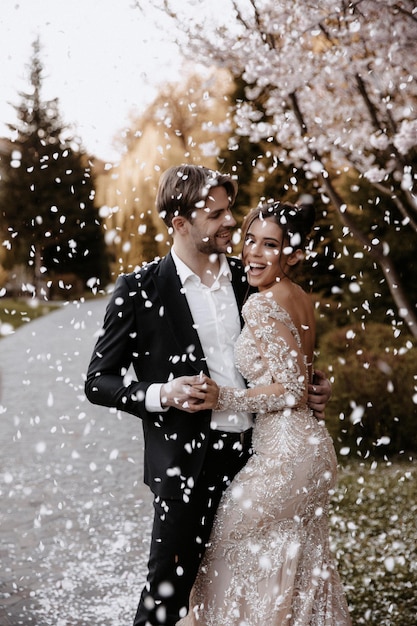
(47, 201)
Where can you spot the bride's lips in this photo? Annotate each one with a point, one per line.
(255, 269)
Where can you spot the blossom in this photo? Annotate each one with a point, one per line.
(406, 138)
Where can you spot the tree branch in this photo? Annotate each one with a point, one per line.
(376, 250)
(369, 105)
(409, 14)
(266, 37)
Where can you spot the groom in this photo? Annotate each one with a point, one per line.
(171, 320)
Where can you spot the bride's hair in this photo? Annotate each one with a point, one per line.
(295, 221)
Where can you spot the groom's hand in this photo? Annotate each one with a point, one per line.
(319, 392)
(190, 393)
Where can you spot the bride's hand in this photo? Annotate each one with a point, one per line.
(209, 389)
(190, 393)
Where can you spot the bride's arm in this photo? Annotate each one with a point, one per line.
(281, 357)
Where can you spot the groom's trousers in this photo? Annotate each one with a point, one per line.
(181, 530)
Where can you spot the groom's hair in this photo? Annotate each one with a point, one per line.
(184, 189)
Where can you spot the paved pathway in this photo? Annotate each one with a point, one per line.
(74, 513)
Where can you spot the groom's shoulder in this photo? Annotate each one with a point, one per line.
(143, 273)
(237, 269)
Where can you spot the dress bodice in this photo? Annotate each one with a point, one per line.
(268, 354)
(261, 353)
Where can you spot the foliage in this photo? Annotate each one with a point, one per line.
(365, 290)
(178, 127)
(47, 194)
(329, 87)
(373, 534)
(373, 409)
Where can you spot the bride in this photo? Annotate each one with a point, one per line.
(268, 562)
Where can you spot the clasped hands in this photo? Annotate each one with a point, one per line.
(190, 393)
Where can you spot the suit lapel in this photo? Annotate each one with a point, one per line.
(177, 313)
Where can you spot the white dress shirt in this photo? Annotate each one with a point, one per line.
(217, 322)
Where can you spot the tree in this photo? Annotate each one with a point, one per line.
(337, 83)
(47, 196)
(262, 177)
(179, 126)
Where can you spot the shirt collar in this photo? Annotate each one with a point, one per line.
(184, 272)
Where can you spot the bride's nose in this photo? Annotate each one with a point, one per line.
(255, 248)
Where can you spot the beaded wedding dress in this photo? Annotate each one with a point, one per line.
(268, 562)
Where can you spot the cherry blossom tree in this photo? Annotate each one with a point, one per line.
(331, 86)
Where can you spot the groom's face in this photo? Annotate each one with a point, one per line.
(211, 226)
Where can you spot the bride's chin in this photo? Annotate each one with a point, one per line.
(253, 281)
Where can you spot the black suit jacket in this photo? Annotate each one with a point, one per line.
(148, 324)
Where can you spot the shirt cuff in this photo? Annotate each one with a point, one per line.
(153, 399)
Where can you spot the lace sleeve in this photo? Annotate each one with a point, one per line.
(279, 346)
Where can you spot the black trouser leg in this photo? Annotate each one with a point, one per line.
(179, 536)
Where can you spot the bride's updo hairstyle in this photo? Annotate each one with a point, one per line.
(295, 221)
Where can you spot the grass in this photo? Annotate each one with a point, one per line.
(374, 535)
(15, 312)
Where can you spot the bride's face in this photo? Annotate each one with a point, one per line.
(264, 254)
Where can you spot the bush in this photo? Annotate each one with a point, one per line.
(373, 408)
